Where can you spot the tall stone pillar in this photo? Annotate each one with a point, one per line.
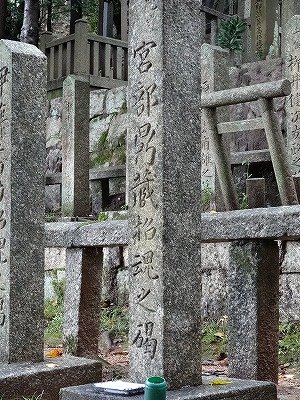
(164, 190)
(263, 16)
(289, 8)
(22, 162)
(75, 147)
(215, 64)
(292, 106)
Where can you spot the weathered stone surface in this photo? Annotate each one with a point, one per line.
(164, 192)
(263, 16)
(289, 9)
(250, 74)
(290, 257)
(82, 303)
(292, 66)
(47, 377)
(75, 147)
(289, 297)
(237, 390)
(253, 310)
(22, 155)
(214, 77)
(214, 266)
(83, 234)
(273, 223)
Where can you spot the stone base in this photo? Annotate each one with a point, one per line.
(236, 390)
(48, 377)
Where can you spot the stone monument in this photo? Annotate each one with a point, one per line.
(75, 147)
(23, 370)
(164, 190)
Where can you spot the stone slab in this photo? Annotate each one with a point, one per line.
(237, 390)
(82, 234)
(47, 377)
(258, 223)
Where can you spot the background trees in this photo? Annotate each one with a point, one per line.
(23, 19)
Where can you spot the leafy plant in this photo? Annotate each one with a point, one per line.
(102, 216)
(214, 337)
(115, 321)
(54, 313)
(230, 34)
(289, 342)
(243, 201)
(206, 197)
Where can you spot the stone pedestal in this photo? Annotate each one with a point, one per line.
(253, 309)
(237, 389)
(46, 378)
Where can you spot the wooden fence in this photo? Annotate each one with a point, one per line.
(104, 60)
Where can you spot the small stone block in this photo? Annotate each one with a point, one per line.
(47, 377)
(236, 390)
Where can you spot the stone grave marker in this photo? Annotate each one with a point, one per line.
(263, 16)
(75, 147)
(289, 9)
(164, 191)
(23, 96)
(292, 72)
(214, 76)
(22, 156)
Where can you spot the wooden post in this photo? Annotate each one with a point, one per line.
(81, 48)
(100, 17)
(124, 20)
(45, 37)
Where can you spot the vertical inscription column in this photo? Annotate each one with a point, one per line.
(292, 72)
(22, 162)
(263, 16)
(75, 147)
(164, 190)
(214, 77)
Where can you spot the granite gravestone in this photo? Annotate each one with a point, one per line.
(214, 77)
(292, 72)
(22, 156)
(75, 147)
(289, 8)
(263, 16)
(164, 190)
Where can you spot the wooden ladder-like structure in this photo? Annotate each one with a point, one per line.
(264, 93)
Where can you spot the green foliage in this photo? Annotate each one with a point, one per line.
(206, 198)
(102, 216)
(289, 342)
(54, 313)
(243, 201)
(214, 338)
(115, 320)
(120, 150)
(103, 152)
(230, 34)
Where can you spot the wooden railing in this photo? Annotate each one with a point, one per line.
(211, 19)
(103, 60)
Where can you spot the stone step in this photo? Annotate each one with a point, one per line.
(237, 389)
(47, 377)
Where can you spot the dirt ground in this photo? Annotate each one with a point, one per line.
(116, 366)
